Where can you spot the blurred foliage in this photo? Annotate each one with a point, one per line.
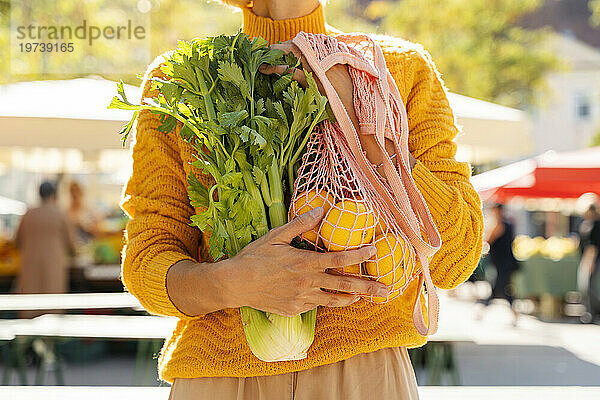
(595, 141)
(4, 40)
(476, 44)
(170, 20)
(123, 55)
(595, 7)
(554, 248)
(595, 20)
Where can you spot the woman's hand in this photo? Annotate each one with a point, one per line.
(338, 75)
(270, 275)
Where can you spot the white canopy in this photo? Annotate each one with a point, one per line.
(73, 114)
(62, 114)
(490, 132)
(10, 206)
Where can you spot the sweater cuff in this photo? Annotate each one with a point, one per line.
(155, 283)
(436, 193)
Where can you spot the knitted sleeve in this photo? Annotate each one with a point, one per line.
(444, 182)
(155, 198)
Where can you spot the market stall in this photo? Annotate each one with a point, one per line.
(548, 271)
(62, 130)
(565, 175)
(552, 182)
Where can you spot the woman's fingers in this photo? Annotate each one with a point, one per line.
(297, 226)
(288, 46)
(298, 74)
(335, 299)
(337, 259)
(352, 285)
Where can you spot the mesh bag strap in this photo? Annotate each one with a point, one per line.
(404, 196)
(389, 87)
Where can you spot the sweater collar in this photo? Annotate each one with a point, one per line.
(283, 29)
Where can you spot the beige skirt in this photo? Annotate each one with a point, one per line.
(383, 374)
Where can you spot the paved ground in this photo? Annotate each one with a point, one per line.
(109, 371)
(530, 353)
(493, 351)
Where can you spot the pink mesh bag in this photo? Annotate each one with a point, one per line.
(363, 206)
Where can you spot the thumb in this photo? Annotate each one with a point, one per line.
(298, 225)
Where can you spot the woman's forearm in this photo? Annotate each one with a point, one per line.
(197, 288)
(270, 275)
(341, 81)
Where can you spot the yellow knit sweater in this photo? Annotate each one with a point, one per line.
(158, 234)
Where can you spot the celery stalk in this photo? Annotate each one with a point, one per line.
(213, 88)
(263, 228)
(273, 337)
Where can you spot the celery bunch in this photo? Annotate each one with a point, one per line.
(249, 131)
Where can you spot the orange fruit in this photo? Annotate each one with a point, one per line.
(350, 269)
(390, 257)
(381, 227)
(306, 201)
(347, 225)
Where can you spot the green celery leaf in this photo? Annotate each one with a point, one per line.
(167, 123)
(233, 179)
(281, 113)
(216, 246)
(186, 132)
(258, 174)
(282, 83)
(184, 47)
(232, 118)
(259, 43)
(197, 192)
(186, 73)
(253, 137)
(119, 104)
(259, 106)
(126, 129)
(202, 221)
(230, 72)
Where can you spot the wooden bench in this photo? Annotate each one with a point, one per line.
(148, 331)
(30, 329)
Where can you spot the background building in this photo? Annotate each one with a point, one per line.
(568, 115)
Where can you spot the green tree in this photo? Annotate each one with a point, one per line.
(595, 139)
(595, 19)
(477, 45)
(170, 20)
(595, 7)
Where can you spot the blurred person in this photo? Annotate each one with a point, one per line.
(500, 239)
(44, 237)
(589, 243)
(166, 263)
(84, 221)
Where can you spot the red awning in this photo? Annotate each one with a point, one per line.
(565, 175)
